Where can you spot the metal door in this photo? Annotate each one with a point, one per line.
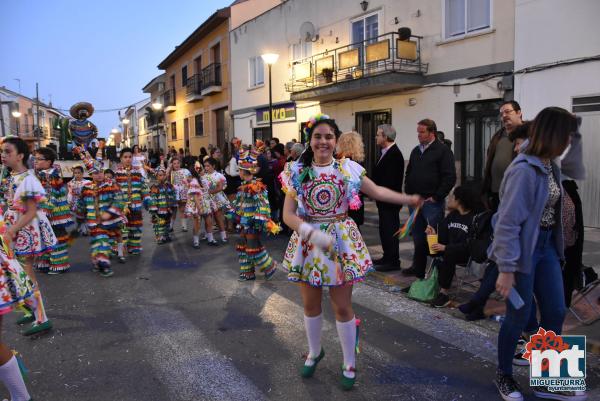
(366, 125)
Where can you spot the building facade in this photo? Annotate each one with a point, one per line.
(559, 65)
(196, 97)
(154, 134)
(352, 61)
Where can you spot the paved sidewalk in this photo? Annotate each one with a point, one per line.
(395, 281)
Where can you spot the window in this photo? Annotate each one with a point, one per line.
(256, 72)
(184, 76)
(365, 31)
(466, 16)
(299, 51)
(199, 125)
(174, 130)
(216, 53)
(198, 64)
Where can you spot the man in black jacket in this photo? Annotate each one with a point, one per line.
(431, 174)
(389, 173)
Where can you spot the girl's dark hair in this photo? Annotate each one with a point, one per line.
(78, 168)
(21, 147)
(109, 171)
(213, 162)
(468, 197)
(203, 151)
(48, 154)
(550, 132)
(279, 148)
(307, 156)
(521, 132)
(125, 150)
(196, 175)
(133, 148)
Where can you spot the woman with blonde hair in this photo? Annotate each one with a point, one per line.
(351, 146)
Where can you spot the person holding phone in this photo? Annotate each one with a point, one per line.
(528, 238)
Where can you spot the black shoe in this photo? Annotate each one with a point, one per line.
(441, 301)
(106, 272)
(543, 392)
(468, 308)
(477, 314)
(518, 359)
(380, 261)
(411, 271)
(386, 268)
(213, 243)
(507, 386)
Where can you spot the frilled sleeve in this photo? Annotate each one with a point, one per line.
(30, 189)
(221, 178)
(286, 178)
(353, 175)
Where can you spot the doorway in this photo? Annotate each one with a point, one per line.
(222, 117)
(366, 125)
(476, 123)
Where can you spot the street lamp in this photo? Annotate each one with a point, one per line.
(17, 115)
(125, 123)
(270, 59)
(157, 106)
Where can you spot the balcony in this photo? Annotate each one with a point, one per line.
(169, 100)
(369, 67)
(194, 88)
(211, 79)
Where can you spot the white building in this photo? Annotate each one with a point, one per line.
(344, 58)
(558, 64)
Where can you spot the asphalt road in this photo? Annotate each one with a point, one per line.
(175, 324)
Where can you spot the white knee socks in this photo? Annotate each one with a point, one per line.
(313, 326)
(10, 375)
(347, 333)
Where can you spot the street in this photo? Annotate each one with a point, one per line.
(175, 324)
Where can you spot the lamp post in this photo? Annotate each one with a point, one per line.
(17, 115)
(270, 59)
(157, 106)
(125, 123)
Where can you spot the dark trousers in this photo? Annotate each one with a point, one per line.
(447, 268)
(488, 285)
(389, 223)
(431, 213)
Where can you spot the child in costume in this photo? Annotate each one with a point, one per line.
(57, 209)
(216, 183)
(27, 226)
(102, 204)
(116, 234)
(252, 213)
(16, 288)
(179, 179)
(199, 206)
(161, 205)
(74, 192)
(135, 193)
(327, 249)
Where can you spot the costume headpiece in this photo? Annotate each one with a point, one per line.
(248, 160)
(74, 110)
(260, 146)
(311, 123)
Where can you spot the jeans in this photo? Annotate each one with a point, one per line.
(545, 281)
(431, 213)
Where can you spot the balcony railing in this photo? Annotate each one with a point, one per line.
(211, 75)
(383, 54)
(169, 98)
(194, 85)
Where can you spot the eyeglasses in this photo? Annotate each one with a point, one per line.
(506, 111)
(40, 160)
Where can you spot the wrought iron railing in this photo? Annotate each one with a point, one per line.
(211, 75)
(194, 85)
(169, 98)
(383, 54)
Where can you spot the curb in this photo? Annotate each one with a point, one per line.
(593, 346)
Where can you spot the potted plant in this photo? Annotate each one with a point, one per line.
(327, 74)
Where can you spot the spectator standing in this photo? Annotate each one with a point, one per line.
(188, 160)
(389, 173)
(500, 153)
(350, 145)
(296, 151)
(528, 240)
(431, 174)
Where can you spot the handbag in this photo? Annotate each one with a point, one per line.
(426, 289)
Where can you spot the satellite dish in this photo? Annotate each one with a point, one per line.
(307, 32)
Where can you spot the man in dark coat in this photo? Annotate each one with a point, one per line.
(431, 174)
(389, 173)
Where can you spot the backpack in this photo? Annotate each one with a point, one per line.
(480, 236)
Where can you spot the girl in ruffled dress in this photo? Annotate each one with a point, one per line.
(179, 179)
(28, 226)
(327, 249)
(216, 183)
(199, 206)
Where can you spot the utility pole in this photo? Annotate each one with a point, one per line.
(37, 128)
